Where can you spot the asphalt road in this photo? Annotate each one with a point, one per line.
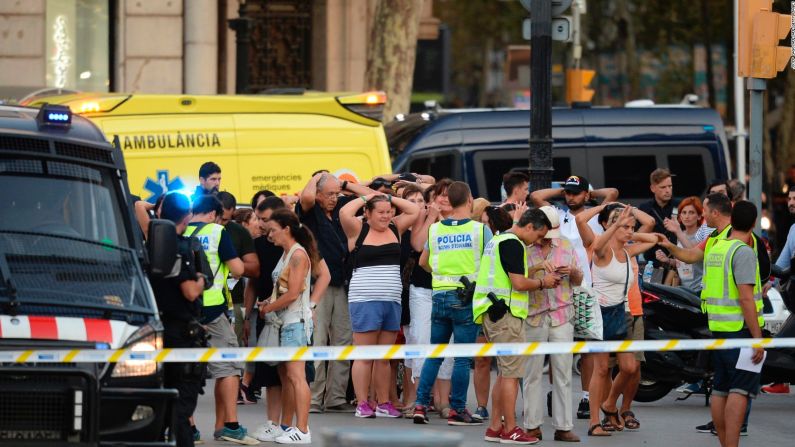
(664, 423)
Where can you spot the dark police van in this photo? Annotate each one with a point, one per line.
(72, 277)
(617, 147)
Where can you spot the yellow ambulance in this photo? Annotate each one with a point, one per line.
(269, 141)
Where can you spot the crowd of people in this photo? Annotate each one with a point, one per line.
(406, 258)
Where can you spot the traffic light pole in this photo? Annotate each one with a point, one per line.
(757, 88)
(541, 95)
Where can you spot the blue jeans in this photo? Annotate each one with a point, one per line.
(449, 317)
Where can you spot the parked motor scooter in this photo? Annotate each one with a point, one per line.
(671, 313)
(675, 313)
(779, 366)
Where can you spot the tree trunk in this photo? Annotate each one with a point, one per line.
(705, 24)
(626, 33)
(392, 51)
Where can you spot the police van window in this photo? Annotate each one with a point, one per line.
(630, 174)
(493, 171)
(561, 167)
(59, 199)
(439, 166)
(690, 177)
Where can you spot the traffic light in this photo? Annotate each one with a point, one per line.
(760, 30)
(767, 57)
(577, 82)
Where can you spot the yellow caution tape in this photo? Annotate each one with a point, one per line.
(379, 352)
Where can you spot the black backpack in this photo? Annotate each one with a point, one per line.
(350, 260)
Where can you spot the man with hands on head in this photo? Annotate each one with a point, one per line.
(318, 209)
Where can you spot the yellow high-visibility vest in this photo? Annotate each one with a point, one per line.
(454, 251)
(210, 237)
(492, 278)
(721, 296)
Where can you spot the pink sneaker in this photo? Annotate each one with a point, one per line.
(387, 410)
(364, 411)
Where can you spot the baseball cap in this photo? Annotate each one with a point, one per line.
(552, 215)
(409, 177)
(576, 184)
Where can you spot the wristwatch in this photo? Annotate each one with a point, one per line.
(312, 305)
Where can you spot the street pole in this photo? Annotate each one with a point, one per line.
(757, 88)
(541, 95)
(739, 104)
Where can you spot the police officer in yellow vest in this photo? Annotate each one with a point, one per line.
(223, 259)
(717, 214)
(454, 248)
(733, 299)
(501, 306)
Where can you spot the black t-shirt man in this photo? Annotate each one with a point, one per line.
(659, 213)
(512, 255)
(331, 239)
(268, 255)
(176, 311)
(244, 244)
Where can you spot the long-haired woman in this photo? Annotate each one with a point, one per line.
(291, 282)
(691, 215)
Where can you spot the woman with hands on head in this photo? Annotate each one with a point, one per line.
(612, 277)
(375, 290)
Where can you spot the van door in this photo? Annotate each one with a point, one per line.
(627, 167)
(280, 151)
(164, 152)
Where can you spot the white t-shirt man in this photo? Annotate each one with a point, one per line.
(569, 230)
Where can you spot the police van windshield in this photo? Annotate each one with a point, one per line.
(62, 238)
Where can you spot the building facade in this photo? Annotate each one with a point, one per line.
(185, 46)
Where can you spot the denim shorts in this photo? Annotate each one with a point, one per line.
(371, 316)
(728, 379)
(293, 335)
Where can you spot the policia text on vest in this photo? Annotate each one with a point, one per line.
(454, 251)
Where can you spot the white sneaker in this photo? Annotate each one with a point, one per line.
(268, 432)
(294, 436)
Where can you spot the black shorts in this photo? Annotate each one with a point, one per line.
(728, 379)
(266, 375)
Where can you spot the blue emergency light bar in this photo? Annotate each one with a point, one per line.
(53, 115)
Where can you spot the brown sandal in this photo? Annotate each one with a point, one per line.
(611, 419)
(630, 421)
(592, 431)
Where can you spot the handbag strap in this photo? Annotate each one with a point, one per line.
(626, 282)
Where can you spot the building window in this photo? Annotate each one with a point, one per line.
(77, 44)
